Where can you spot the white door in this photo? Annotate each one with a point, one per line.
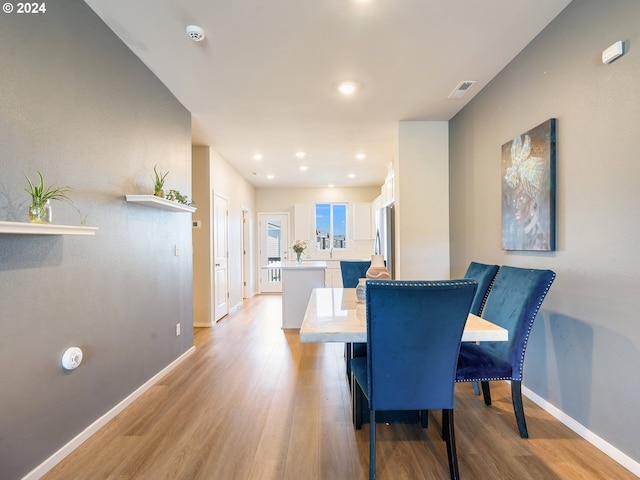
(246, 257)
(274, 247)
(220, 273)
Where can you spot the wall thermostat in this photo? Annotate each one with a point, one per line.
(614, 51)
(71, 358)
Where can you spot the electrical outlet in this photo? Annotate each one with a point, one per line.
(177, 329)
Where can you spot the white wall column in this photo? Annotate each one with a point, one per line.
(422, 201)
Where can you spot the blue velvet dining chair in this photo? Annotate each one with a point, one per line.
(484, 274)
(352, 271)
(513, 303)
(414, 330)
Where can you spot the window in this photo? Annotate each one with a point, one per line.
(331, 226)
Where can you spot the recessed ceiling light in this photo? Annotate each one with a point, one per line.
(304, 168)
(347, 88)
(330, 185)
(352, 175)
(360, 156)
(300, 154)
(271, 176)
(258, 156)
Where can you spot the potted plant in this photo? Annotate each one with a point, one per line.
(158, 180)
(40, 209)
(176, 196)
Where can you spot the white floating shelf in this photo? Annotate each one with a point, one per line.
(21, 228)
(158, 202)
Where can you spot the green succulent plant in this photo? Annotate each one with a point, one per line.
(40, 194)
(158, 180)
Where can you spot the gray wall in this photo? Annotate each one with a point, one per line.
(583, 355)
(77, 105)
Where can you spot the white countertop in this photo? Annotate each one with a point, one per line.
(292, 264)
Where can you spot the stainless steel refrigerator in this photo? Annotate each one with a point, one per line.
(384, 239)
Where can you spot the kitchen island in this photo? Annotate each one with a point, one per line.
(298, 281)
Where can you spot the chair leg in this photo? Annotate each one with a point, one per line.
(347, 359)
(516, 398)
(424, 418)
(476, 388)
(445, 427)
(450, 439)
(356, 403)
(486, 393)
(372, 444)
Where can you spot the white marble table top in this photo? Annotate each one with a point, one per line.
(292, 264)
(334, 315)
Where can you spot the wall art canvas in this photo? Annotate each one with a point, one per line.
(528, 190)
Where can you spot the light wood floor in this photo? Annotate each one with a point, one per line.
(254, 403)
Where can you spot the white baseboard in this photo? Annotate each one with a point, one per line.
(601, 444)
(75, 442)
(232, 310)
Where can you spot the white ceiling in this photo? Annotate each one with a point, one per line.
(265, 78)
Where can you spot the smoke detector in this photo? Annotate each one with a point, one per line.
(195, 33)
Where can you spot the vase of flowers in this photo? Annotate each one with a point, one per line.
(299, 246)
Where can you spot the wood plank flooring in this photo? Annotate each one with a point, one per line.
(254, 403)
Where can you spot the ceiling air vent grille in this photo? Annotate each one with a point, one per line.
(461, 88)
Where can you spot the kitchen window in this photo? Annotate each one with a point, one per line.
(331, 226)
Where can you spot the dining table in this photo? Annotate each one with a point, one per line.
(335, 315)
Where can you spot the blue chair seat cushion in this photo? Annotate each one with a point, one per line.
(478, 364)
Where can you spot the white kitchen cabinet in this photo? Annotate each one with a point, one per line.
(304, 222)
(388, 189)
(333, 274)
(362, 227)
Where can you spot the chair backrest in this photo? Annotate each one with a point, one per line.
(352, 271)
(484, 275)
(513, 303)
(414, 330)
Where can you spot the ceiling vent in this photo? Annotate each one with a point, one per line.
(195, 33)
(461, 88)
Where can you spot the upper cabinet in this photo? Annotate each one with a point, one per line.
(388, 189)
(303, 221)
(362, 216)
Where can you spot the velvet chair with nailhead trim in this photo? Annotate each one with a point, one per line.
(513, 303)
(414, 330)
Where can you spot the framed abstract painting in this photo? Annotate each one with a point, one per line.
(528, 190)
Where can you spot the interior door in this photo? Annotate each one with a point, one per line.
(274, 247)
(220, 272)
